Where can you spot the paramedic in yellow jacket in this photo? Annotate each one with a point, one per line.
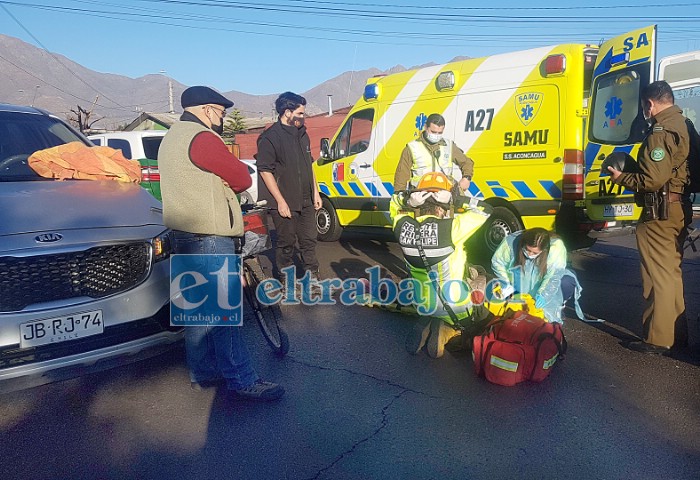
(431, 152)
(533, 261)
(442, 238)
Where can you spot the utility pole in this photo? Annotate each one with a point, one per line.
(36, 90)
(170, 93)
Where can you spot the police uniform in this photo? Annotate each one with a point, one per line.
(661, 159)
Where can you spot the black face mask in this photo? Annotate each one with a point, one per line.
(294, 120)
(218, 129)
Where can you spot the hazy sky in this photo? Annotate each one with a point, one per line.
(268, 46)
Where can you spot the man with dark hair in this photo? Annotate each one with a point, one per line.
(431, 152)
(284, 164)
(199, 182)
(660, 183)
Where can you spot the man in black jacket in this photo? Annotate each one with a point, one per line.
(284, 164)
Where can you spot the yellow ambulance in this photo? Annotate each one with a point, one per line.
(522, 117)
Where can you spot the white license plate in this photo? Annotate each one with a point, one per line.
(619, 210)
(60, 329)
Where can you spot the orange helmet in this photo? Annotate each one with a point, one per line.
(434, 181)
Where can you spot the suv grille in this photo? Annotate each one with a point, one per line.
(96, 272)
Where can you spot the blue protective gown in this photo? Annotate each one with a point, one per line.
(527, 279)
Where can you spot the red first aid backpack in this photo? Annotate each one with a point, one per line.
(518, 347)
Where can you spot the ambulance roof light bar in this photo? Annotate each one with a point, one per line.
(371, 92)
(555, 64)
(619, 59)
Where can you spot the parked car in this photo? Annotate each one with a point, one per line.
(250, 196)
(141, 145)
(84, 270)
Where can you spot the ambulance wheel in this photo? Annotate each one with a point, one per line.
(327, 224)
(500, 224)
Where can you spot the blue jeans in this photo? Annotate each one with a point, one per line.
(214, 352)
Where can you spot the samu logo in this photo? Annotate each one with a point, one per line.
(527, 105)
(206, 290)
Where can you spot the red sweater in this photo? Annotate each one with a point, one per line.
(209, 153)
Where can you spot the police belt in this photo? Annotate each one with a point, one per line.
(675, 197)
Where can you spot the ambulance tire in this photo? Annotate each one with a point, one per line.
(327, 224)
(500, 224)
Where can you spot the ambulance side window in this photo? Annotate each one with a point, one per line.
(617, 117)
(688, 99)
(355, 135)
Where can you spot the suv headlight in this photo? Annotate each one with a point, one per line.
(162, 246)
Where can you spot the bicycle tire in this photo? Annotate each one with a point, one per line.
(267, 316)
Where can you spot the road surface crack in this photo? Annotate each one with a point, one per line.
(382, 426)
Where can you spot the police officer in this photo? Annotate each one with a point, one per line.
(431, 152)
(661, 181)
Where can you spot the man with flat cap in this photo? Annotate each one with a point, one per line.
(199, 182)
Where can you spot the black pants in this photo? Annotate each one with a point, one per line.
(300, 228)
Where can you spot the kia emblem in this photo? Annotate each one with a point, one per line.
(48, 237)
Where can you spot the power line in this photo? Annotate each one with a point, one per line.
(455, 37)
(56, 58)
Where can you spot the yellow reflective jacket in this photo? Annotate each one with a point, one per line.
(443, 243)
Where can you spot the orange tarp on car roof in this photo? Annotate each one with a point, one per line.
(78, 161)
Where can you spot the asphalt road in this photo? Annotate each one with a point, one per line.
(359, 407)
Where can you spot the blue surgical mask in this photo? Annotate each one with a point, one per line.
(530, 256)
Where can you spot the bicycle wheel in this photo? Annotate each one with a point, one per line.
(267, 316)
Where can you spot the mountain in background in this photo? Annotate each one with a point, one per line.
(33, 76)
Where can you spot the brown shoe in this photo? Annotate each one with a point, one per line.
(417, 337)
(440, 334)
(261, 391)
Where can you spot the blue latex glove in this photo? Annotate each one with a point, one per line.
(540, 301)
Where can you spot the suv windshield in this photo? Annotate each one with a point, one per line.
(22, 134)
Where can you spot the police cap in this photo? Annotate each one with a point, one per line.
(200, 95)
(620, 161)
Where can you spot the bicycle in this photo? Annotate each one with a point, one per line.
(256, 241)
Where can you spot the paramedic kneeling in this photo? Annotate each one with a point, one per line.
(433, 242)
(533, 261)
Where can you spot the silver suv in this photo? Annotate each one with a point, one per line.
(84, 270)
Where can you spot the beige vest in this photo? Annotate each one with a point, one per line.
(423, 162)
(194, 200)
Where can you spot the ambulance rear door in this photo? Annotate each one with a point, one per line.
(625, 64)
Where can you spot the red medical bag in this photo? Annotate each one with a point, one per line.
(518, 347)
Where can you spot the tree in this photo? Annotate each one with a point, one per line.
(80, 118)
(233, 123)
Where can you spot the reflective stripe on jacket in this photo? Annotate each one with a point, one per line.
(424, 162)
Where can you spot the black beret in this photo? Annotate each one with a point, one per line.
(620, 161)
(200, 95)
